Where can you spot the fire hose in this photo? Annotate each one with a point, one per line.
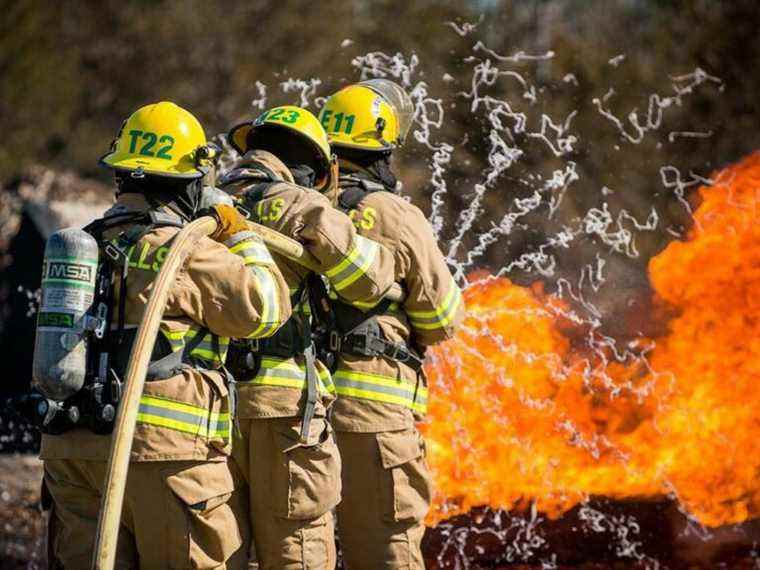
(104, 555)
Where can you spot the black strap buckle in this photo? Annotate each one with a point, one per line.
(113, 252)
(245, 212)
(335, 341)
(397, 351)
(158, 218)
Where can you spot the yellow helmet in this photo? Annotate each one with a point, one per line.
(262, 134)
(162, 139)
(372, 115)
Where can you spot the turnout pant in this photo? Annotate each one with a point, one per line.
(293, 488)
(176, 514)
(386, 495)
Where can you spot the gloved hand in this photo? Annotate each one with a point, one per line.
(231, 221)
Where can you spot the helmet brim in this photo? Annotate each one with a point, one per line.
(372, 145)
(323, 165)
(238, 136)
(112, 160)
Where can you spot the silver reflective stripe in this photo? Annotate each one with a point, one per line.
(442, 315)
(249, 246)
(241, 236)
(355, 264)
(270, 306)
(205, 349)
(378, 388)
(341, 382)
(183, 417)
(186, 418)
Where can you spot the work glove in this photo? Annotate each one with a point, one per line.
(230, 221)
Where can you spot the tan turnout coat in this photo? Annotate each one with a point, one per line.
(217, 293)
(377, 394)
(359, 269)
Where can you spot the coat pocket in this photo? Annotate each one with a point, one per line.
(202, 524)
(406, 489)
(306, 478)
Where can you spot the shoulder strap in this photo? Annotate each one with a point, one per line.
(115, 251)
(256, 192)
(98, 227)
(251, 172)
(161, 219)
(352, 195)
(149, 218)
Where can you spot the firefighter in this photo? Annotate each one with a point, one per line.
(379, 379)
(185, 504)
(287, 449)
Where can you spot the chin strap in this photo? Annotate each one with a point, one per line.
(333, 189)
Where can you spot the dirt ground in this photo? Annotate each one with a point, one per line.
(22, 524)
(21, 520)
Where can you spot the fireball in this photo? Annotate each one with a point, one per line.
(522, 414)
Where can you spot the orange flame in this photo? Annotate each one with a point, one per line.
(521, 415)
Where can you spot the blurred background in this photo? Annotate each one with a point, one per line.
(72, 71)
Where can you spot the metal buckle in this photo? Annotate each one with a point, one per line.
(245, 212)
(113, 252)
(401, 353)
(102, 316)
(334, 341)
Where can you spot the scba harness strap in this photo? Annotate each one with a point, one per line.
(351, 196)
(248, 357)
(94, 406)
(345, 329)
(353, 331)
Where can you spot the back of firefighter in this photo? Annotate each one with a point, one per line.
(185, 505)
(378, 378)
(287, 448)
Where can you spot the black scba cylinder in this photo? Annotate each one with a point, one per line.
(69, 276)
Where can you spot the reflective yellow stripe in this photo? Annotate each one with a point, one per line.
(365, 306)
(252, 251)
(303, 309)
(288, 374)
(176, 339)
(442, 315)
(270, 304)
(392, 308)
(183, 417)
(354, 265)
(256, 255)
(204, 350)
(378, 388)
(327, 381)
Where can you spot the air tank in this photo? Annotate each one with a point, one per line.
(69, 273)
